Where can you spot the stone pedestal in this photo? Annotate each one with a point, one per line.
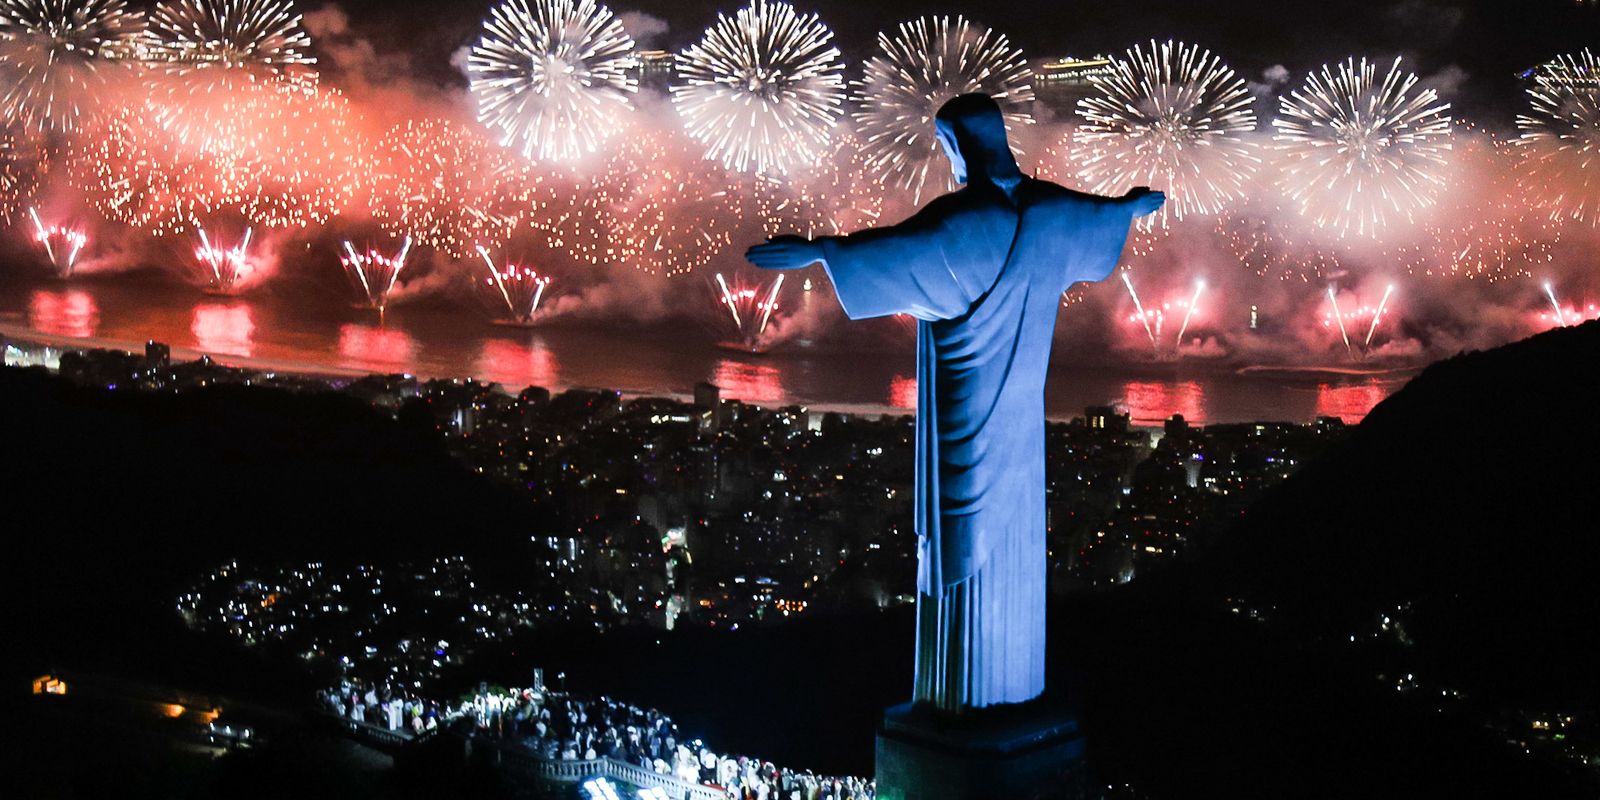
(1026, 752)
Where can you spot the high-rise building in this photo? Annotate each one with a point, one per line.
(707, 395)
(1105, 418)
(708, 405)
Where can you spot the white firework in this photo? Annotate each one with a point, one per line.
(1172, 117)
(262, 36)
(60, 58)
(1359, 150)
(927, 62)
(209, 51)
(763, 89)
(1560, 139)
(552, 76)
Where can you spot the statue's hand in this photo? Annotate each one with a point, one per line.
(1144, 200)
(785, 252)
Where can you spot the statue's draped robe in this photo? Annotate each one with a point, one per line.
(982, 269)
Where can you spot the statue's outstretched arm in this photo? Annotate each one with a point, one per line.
(1143, 200)
(786, 252)
(1097, 227)
(796, 252)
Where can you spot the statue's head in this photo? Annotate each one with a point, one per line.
(973, 132)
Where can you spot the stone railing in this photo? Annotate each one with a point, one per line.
(570, 771)
(547, 769)
(375, 734)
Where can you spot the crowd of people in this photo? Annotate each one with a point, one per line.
(560, 726)
(384, 707)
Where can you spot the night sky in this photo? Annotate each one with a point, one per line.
(1470, 51)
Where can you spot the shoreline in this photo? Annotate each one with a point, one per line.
(11, 329)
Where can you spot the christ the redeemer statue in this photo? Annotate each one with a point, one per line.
(982, 269)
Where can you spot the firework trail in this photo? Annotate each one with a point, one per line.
(61, 244)
(1377, 316)
(1561, 137)
(925, 63)
(552, 76)
(1358, 150)
(519, 287)
(730, 300)
(751, 308)
(373, 272)
(222, 267)
(1139, 307)
(763, 89)
(1565, 316)
(1172, 117)
(1555, 305)
(1338, 317)
(1194, 301)
(769, 305)
(59, 59)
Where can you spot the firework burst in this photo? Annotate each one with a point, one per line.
(1173, 117)
(223, 268)
(750, 307)
(60, 58)
(448, 187)
(552, 76)
(763, 89)
(312, 161)
(138, 174)
(563, 217)
(1359, 150)
(666, 211)
(1277, 243)
(276, 155)
(373, 272)
(1355, 316)
(207, 50)
(61, 243)
(263, 38)
(21, 163)
(927, 62)
(518, 287)
(1484, 227)
(1561, 137)
(1153, 318)
(835, 196)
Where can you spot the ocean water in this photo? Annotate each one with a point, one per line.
(321, 333)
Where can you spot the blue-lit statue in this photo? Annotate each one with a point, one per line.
(982, 269)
